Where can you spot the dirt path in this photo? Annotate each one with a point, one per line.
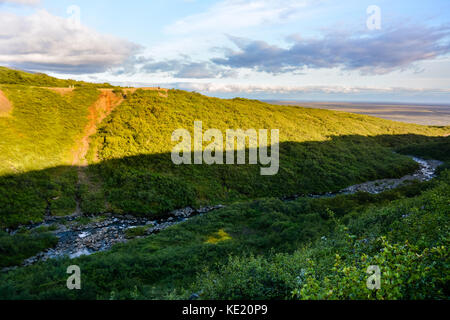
(5, 105)
(61, 91)
(106, 103)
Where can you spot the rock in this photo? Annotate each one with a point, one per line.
(185, 212)
(194, 296)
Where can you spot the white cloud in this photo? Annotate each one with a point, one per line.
(185, 68)
(25, 2)
(390, 50)
(282, 89)
(230, 15)
(43, 41)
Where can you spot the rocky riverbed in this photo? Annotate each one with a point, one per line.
(81, 235)
(84, 235)
(426, 172)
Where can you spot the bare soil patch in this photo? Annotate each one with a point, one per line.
(106, 103)
(5, 105)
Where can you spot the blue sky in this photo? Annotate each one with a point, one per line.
(280, 49)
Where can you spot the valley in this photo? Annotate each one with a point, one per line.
(78, 235)
(87, 178)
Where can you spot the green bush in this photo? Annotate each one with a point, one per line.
(406, 273)
(243, 278)
(136, 232)
(15, 249)
(407, 239)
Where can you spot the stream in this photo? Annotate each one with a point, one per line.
(79, 236)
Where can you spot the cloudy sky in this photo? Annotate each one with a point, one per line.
(323, 50)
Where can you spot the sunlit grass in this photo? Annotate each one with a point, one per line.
(218, 236)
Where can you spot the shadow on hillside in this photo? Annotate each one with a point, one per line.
(153, 185)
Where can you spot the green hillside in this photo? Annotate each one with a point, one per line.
(43, 127)
(320, 151)
(130, 170)
(10, 76)
(304, 249)
(259, 246)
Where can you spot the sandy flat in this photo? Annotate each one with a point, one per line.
(437, 115)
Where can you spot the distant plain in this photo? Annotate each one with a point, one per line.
(426, 114)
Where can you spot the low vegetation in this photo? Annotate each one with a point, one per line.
(40, 134)
(15, 249)
(10, 76)
(320, 151)
(43, 128)
(259, 246)
(273, 250)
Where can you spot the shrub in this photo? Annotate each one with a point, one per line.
(15, 249)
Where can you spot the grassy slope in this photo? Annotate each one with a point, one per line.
(10, 76)
(43, 127)
(319, 151)
(271, 242)
(146, 114)
(40, 133)
(156, 266)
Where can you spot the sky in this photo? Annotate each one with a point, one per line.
(306, 50)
